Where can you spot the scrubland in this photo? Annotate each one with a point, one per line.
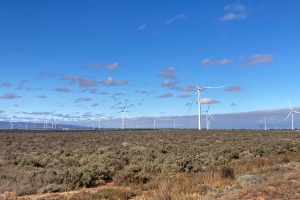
(150, 164)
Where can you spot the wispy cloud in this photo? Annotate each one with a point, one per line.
(93, 65)
(167, 95)
(223, 62)
(95, 104)
(21, 85)
(142, 27)
(167, 73)
(83, 99)
(111, 67)
(184, 96)
(167, 83)
(234, 88)
(236, 11)
(82, 82)
(9, 95)
(185, 89)
(178, 17)
(62, 89)
(233, 104)
(207, 62)
(46, 74)
(93, 91)
(103, 93)
(111, 82)
(42, 97)
(141, 92)
(208, 101)
(259, 59)
(6, 84)
(37, 113)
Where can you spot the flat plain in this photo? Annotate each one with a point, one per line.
(150, 164)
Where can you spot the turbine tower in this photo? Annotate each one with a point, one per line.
(99, 118)
(265, 121)
(199, 89)
(153, 122)
(292, 112)
(26, 122)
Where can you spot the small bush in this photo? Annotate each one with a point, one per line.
(227, 172)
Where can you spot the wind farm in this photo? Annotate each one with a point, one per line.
(146, 100)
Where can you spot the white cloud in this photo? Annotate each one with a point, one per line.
(259, 59)
(206, 62)
(167, 95)
(241, 58)
(237, 11)
(94, 65)
(223, 62)
(142, 27)
(231, 16)
(167, 83)
(184, 96)
(235, 7)
(167, 73)
(111, 67)
(234, 88)
(208, 101)
(178, 17)
(111, 82)
(9, 95)
(62, 89)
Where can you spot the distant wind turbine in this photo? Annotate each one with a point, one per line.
(208, 118)
(12, 123)
(123, 111)
(265, 122)
(199, 89)
(174, 124)
(153, 121)
(26, 122)
(292, 112)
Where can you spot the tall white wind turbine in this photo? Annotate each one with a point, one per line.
(12, 123)
(99, 119)
(123, 112)
(26, 122)
(199, 89)
(265, 122)
(208, 118)
(292, 112)
(174, 124)
(153, 121)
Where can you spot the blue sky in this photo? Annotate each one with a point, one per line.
(68, 59)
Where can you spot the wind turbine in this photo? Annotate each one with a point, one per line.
(199, 89)
(12, 123)
(174, 123)
(26, 122)
(55, 122)
(99, 118)
(123, 111)
(153, 121)
(208, 118)
(292, 112)
(265, 121)
(135, 124)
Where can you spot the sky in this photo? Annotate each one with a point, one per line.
(68, 60)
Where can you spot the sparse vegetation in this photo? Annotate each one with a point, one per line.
(168, 164)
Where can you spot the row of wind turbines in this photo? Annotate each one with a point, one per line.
(197, 94)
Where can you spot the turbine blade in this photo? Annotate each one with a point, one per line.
(211, 116)
(192, 79)
(288, 116)
(289, 104)
(296, 112)
(192, 102)
(213, 87)
(127, 115)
